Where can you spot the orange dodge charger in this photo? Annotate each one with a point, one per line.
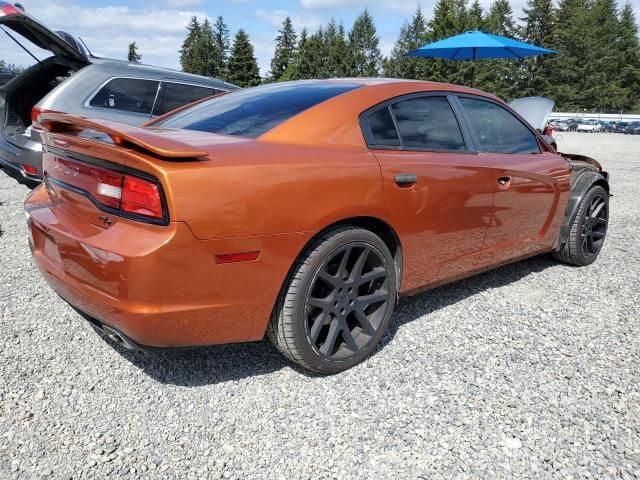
(301, 209)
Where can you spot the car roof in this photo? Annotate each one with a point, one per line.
(420, 85)
(335, 121)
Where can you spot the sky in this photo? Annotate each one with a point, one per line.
(158, 27)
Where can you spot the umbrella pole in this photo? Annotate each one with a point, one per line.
(473, 72)
(473, 67)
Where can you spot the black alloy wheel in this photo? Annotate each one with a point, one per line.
(347, 301)
(588, 230)
(337, 302)
(594, 227)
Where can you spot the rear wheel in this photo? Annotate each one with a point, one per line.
(338, 302)
(588, 230)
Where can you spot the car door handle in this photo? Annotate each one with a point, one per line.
(504, 182)
(406, 179)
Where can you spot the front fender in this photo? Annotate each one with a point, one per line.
(585, 173)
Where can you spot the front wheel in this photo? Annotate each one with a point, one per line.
(338, 302)
(588, 229)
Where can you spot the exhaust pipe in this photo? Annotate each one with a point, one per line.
(119, 338)
(111, 333)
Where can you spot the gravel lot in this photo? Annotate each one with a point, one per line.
(530, 371)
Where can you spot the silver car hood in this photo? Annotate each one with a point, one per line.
(535, 110)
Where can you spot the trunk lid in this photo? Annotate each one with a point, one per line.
(28, 27)
(67, 172)
(102, 171)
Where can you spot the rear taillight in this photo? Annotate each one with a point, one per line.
(141, 197)
(122, 193)
(35, 113)
(30, 169)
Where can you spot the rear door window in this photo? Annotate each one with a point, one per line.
(127, 94)
(428, 123)
(497, 129)
(173, 95)
(383, 129)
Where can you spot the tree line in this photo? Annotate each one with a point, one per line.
(597, 67)
(16, 69)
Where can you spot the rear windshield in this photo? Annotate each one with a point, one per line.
(254, 111)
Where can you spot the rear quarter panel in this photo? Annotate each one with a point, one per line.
(255, 188)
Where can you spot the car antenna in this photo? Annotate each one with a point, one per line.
(85, 46)
(21, 46)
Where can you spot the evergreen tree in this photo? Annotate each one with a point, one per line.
(475, 17)
(412, 36)
(243, 67)
(337, 53)
(133, 56)
(221, 51)
(538, 30)
(295, 70)
(188, 58)
(449, 18)
(285, 52)
(365, 59)
(311, 61)
(629, 48)
(601, 89)
(571, 26)
(499, 21)
(597, 67)
(204, 52)
(318, 55)
(499, 76)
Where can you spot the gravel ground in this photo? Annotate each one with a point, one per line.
(530, 371)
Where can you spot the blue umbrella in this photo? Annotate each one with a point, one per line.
(474, 45)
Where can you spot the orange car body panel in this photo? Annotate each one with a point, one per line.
(443, 217)
(161, 285)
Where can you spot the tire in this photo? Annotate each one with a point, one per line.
(337, 303)
(588, 230)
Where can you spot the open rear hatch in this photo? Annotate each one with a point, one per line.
(31, 29)
(24, 91)
(87, 169)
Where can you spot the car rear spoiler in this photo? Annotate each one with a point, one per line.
(121, 134)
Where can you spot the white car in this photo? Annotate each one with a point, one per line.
(590, 126)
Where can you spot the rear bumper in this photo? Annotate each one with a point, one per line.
(159, 286)
(12, 159)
